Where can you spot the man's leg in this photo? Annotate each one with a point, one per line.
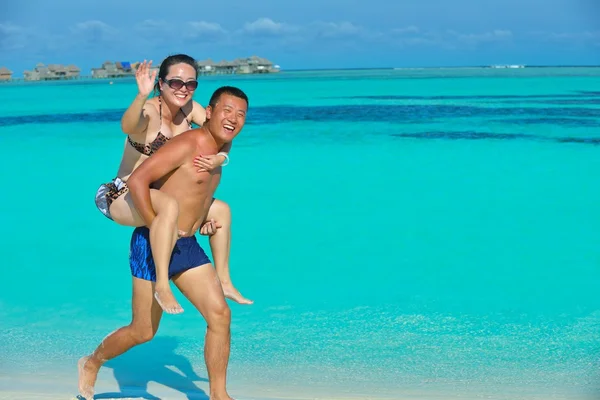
(143, 327)
(202, 288)
(220, 246)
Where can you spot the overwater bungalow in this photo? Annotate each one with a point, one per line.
(42, 72)
(206, 67)
(119, 69)
(249, 65)
(5, 74)
(226, 67)
(259, 65)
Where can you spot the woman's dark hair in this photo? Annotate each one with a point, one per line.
(170, 61)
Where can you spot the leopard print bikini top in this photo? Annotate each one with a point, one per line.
(151, 148)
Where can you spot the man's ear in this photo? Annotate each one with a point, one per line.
(208, 110)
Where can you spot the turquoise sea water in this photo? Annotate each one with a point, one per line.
(402, 232)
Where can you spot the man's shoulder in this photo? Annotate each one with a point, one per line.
(190, 134)
(195, 136)
(187, 140)
(201, 138)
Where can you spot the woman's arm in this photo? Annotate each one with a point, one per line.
(198, 114)
(135, 119)
(210, 162)
(223, 153)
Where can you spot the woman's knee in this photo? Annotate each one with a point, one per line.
(123, 212)
(220, 211)
(165, 205)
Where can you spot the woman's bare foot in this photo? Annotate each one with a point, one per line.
(232, 293)
(87, 378)
(166, 300)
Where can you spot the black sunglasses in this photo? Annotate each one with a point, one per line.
(178, 84)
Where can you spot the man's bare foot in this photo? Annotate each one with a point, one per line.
(166, 300)
(232, 293)
(224, 396)
(87, 378)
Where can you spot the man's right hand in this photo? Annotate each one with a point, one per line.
(210, 227)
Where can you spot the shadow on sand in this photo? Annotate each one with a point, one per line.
(149, 363)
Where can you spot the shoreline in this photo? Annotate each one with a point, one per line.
(47, 387)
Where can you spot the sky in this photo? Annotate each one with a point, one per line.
(307, 34)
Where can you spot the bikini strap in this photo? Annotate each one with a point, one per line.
(160, 112)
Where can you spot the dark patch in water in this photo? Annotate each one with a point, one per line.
(571, 122)
(390, 113)
(467, 135)
(589, 93)
(594, 141)
(578, 102)
(473, 97)
(473, 135)
(404, 113)
(573, 102)
(99, 116)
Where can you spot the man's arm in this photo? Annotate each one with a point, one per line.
(169, 157)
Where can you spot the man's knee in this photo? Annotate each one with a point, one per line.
(219, 316)
(142, 334)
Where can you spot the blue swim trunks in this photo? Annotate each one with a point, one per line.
(187, 254)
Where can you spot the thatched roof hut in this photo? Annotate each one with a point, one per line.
(111, 69)
(5, 74)
(52, 72)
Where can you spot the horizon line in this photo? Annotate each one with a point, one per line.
(525, 66)
(450, 66)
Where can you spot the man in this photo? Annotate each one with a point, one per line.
(172, 169)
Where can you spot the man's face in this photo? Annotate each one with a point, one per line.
(227, 118)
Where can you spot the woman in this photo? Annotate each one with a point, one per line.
(150, 123)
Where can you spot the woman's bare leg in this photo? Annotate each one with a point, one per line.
(220, 246)
(163, 236)
(143, 327)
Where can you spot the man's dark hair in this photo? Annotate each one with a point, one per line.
(230, 90)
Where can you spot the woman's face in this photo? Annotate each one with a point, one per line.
(178, 86)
